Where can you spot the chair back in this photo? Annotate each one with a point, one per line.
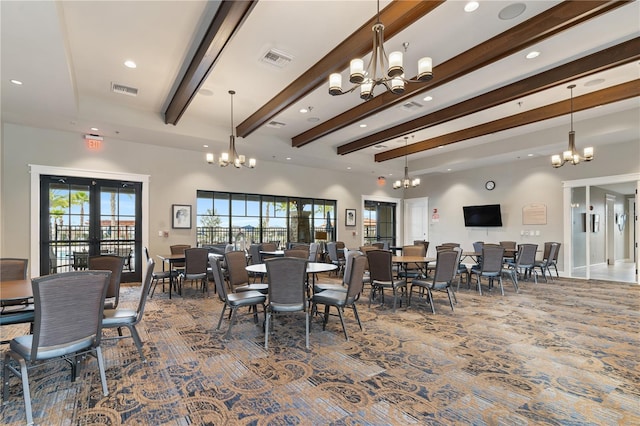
(347, 265)
(332, 249)
(300, 254)
(80, 259)
(552, 254)
(555, 258)
(236, 268)
(508, 245)
(446, 266)
(218, 278)
(380, 265)
(422, 242)
(179, 249)
(269, 247)
(13, 269)
(356, 264)
(144, 291)
(526, 257)
(415, 250)
(313, 252)
(492, 259)
(379, 246)
(477, 246)
(254, 252)
(68, 311)
(196, 260)
(287, 283)
(113, 263)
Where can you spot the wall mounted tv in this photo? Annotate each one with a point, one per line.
(482, 216)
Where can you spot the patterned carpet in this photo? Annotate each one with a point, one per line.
(563, 353)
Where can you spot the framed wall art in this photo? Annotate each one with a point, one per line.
(181, 216)
(350, 217)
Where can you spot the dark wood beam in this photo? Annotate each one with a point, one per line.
(225, 24)
(559, 18)
(396, 17)
(612, 57)
(609, 95)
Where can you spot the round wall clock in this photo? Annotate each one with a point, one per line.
(490, 185)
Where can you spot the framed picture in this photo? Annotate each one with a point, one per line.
(350, 217)
(181, 216)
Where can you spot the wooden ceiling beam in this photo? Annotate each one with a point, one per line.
(546, 24)
(225, 24)
(609, 95)
(612, 57)
(397, 16)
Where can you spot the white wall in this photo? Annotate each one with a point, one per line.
(175, 175)
(521, 182)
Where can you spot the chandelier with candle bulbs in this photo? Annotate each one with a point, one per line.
(571, 155)
(367, 79)
(406, 181)
(232, 156)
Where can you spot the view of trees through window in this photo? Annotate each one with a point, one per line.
(224, 217)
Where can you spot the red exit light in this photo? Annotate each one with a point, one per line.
(93, 142)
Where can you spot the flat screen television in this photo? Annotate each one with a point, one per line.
(482, 216)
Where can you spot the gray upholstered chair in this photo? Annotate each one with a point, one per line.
(238, 276)
(13, 269)
(551, 250)
(234, 301)
(491, 266)
(381, 275)
(67, 325)
(179, 249)
(196, 261)
(113, 263)
(524, 264)
(129, 318)
(332, 249)
(314, 250)
(300, 254)
(158, 276)
(445, 272)
(287, 290)
(342, 299)
(319, 286)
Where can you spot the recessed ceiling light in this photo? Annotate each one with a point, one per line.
(349, 168)
(313, 119)
(512, 11)
(17, 82)
(471, 6)
(363, 125)
(427, 98)
(529, 155)
(532, 54)
(448, 170)
(95, 129)
(130, 64)
(288, 158)
(205, 92)
(379, 147)
(304, 110)
(205, 146)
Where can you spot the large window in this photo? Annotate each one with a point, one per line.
(224, 217)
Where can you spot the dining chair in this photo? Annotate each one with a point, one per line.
(343, 285)
(15, 311)
(13, 268)
(491, 266)
(196, 261)
(547, 260)
(67, 325)
(178, 249)
(524, 264)
(237, 274)
(381, 276)
(115, 264)
(129, 318)
(287, 278)
(300, 254)
(158, 276)
(445, 272)
(80, 259)
(342, 299)
(234, 301)
(332, 249)
(412, 270)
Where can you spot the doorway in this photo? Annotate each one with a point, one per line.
(82, 217)
(379, 221)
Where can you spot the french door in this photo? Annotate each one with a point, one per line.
(81, 217)
(379, 222)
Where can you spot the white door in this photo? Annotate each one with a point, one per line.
(416, 220)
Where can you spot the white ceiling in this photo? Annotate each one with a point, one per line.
(67, 54)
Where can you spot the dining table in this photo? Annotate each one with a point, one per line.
(171, 260)
(12, 292)
(313, 268)
(403, 261)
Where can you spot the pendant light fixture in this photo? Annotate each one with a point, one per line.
(571, 155)
(367, 78)
(232, 156)
(407, 181)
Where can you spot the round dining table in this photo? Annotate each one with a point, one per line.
(312, 268)
(13, 290)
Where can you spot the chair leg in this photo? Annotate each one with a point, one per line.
(500, 282)
(355, 313)
(224, 308)
(449, 292)
(433, 309)
(24, 375)
(137, 341)
(266, 329)
(325, 320)
(233, 317)
(306, 314)
(103, 376)
(479, 284)
(344, 329)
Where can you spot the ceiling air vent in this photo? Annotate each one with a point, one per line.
(275, 124)
(124, 90)
(411, 106)
(276, 58)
